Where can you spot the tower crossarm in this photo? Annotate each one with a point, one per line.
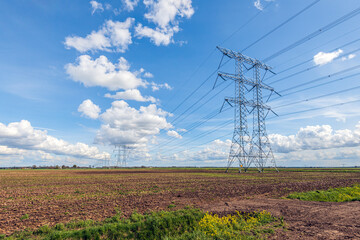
(236, 78)
(246, 59)
(254, 104)
(250, 103)
(246, 80)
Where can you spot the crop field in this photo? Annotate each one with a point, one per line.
(30, 199)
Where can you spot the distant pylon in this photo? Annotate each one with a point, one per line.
(121, 154)
(245, 149)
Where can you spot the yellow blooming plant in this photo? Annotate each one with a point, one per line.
(232, 226)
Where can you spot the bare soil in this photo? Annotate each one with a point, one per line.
(49, 197)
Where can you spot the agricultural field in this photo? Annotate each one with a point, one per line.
(31, 199)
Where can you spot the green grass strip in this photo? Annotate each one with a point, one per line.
(344, 194)
(181, 224)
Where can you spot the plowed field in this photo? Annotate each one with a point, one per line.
(54, 196)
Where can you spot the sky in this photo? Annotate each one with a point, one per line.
(79, 78)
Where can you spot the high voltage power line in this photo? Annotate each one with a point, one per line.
(321, 78)
(267, 34)
(211, 130)
(214, 49)
(319, 108)
(281, 25)
(215, 113)
(314, 34)
(207, 142)
(196, 125)
(314, 48)
(313, 67)
(317, 97)
(311, 81)
(287, 114)
(303, 40)
(320, 85)
(311, 59)
(308, 37)
(344, 45)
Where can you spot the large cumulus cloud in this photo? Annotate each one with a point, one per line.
(316, 137)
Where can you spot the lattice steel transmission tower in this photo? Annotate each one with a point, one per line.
(244, 148)
(121, 154)
(103, 162)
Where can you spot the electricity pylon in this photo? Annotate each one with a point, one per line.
(260, 148)
(121, 153)
(245, 149)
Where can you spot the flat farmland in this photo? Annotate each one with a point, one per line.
(33, 198)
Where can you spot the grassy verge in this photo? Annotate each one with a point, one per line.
(180, 224)
(344, 194)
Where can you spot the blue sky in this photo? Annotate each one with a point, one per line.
(79, 77)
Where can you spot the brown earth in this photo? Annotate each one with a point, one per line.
(53, 196)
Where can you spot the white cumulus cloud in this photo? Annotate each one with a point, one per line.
(131, 94)
(89, 109)
(148, 75)
(215, 152)
(165, 14)
(173, 133)
(96, 6)
(323, 58)
(112, 36)
(158, 36)
(101, 72)
(22, 135)
(4, 150)
(348, 57)
(156, 87)
(258, 5)
(130, 4)
(316, 137)
(123, 124)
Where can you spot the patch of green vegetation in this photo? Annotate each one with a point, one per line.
(344, 194)
(182, 224)
(23, 217)
(254, 225)
(332, 170)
